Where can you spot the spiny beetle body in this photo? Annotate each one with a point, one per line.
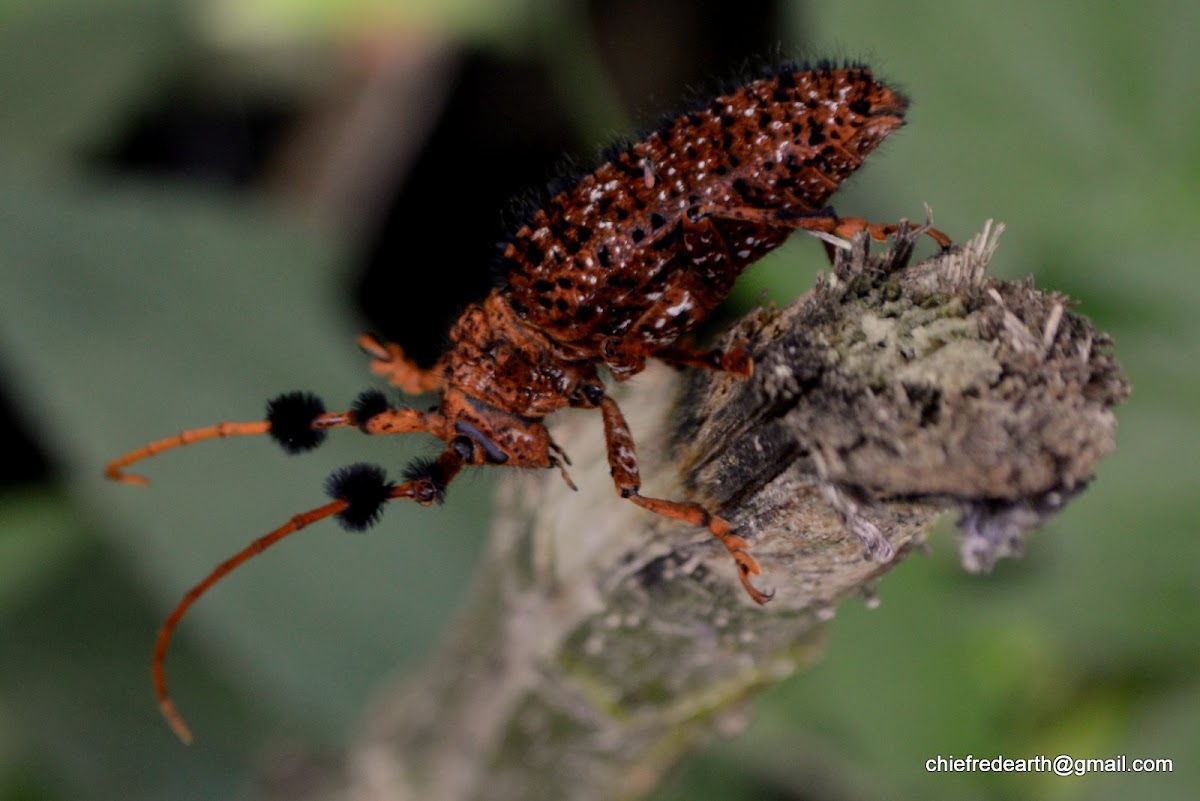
(610, 271)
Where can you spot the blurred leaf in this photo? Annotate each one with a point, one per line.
(129, 312)
(70, 72)
(39, 537)
(266, 24)
(73, 674)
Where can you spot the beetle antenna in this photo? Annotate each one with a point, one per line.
(359, 492)
(296, 420)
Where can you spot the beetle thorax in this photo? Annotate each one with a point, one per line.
(499, 359)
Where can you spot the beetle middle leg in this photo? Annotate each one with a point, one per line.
(735, 361)
(622, 459)
(692, 295)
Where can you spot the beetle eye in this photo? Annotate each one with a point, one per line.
(491, 452)
(463, 448)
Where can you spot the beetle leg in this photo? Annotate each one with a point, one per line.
(735, 361)
(559, 459)
(390, 362)
(818, 222)
(707, 280)
(622, 458)
(623, 356)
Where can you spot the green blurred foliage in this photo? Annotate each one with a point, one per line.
(131, 308)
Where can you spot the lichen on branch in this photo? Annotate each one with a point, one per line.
(600, 641)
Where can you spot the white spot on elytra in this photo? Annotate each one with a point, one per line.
(679, 308)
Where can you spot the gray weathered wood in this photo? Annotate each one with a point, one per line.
(600, 641)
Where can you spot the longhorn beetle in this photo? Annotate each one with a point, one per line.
(608, 272)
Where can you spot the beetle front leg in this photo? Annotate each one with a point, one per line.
(389, 361)
(622, 459)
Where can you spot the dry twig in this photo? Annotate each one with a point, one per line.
(600, 641)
